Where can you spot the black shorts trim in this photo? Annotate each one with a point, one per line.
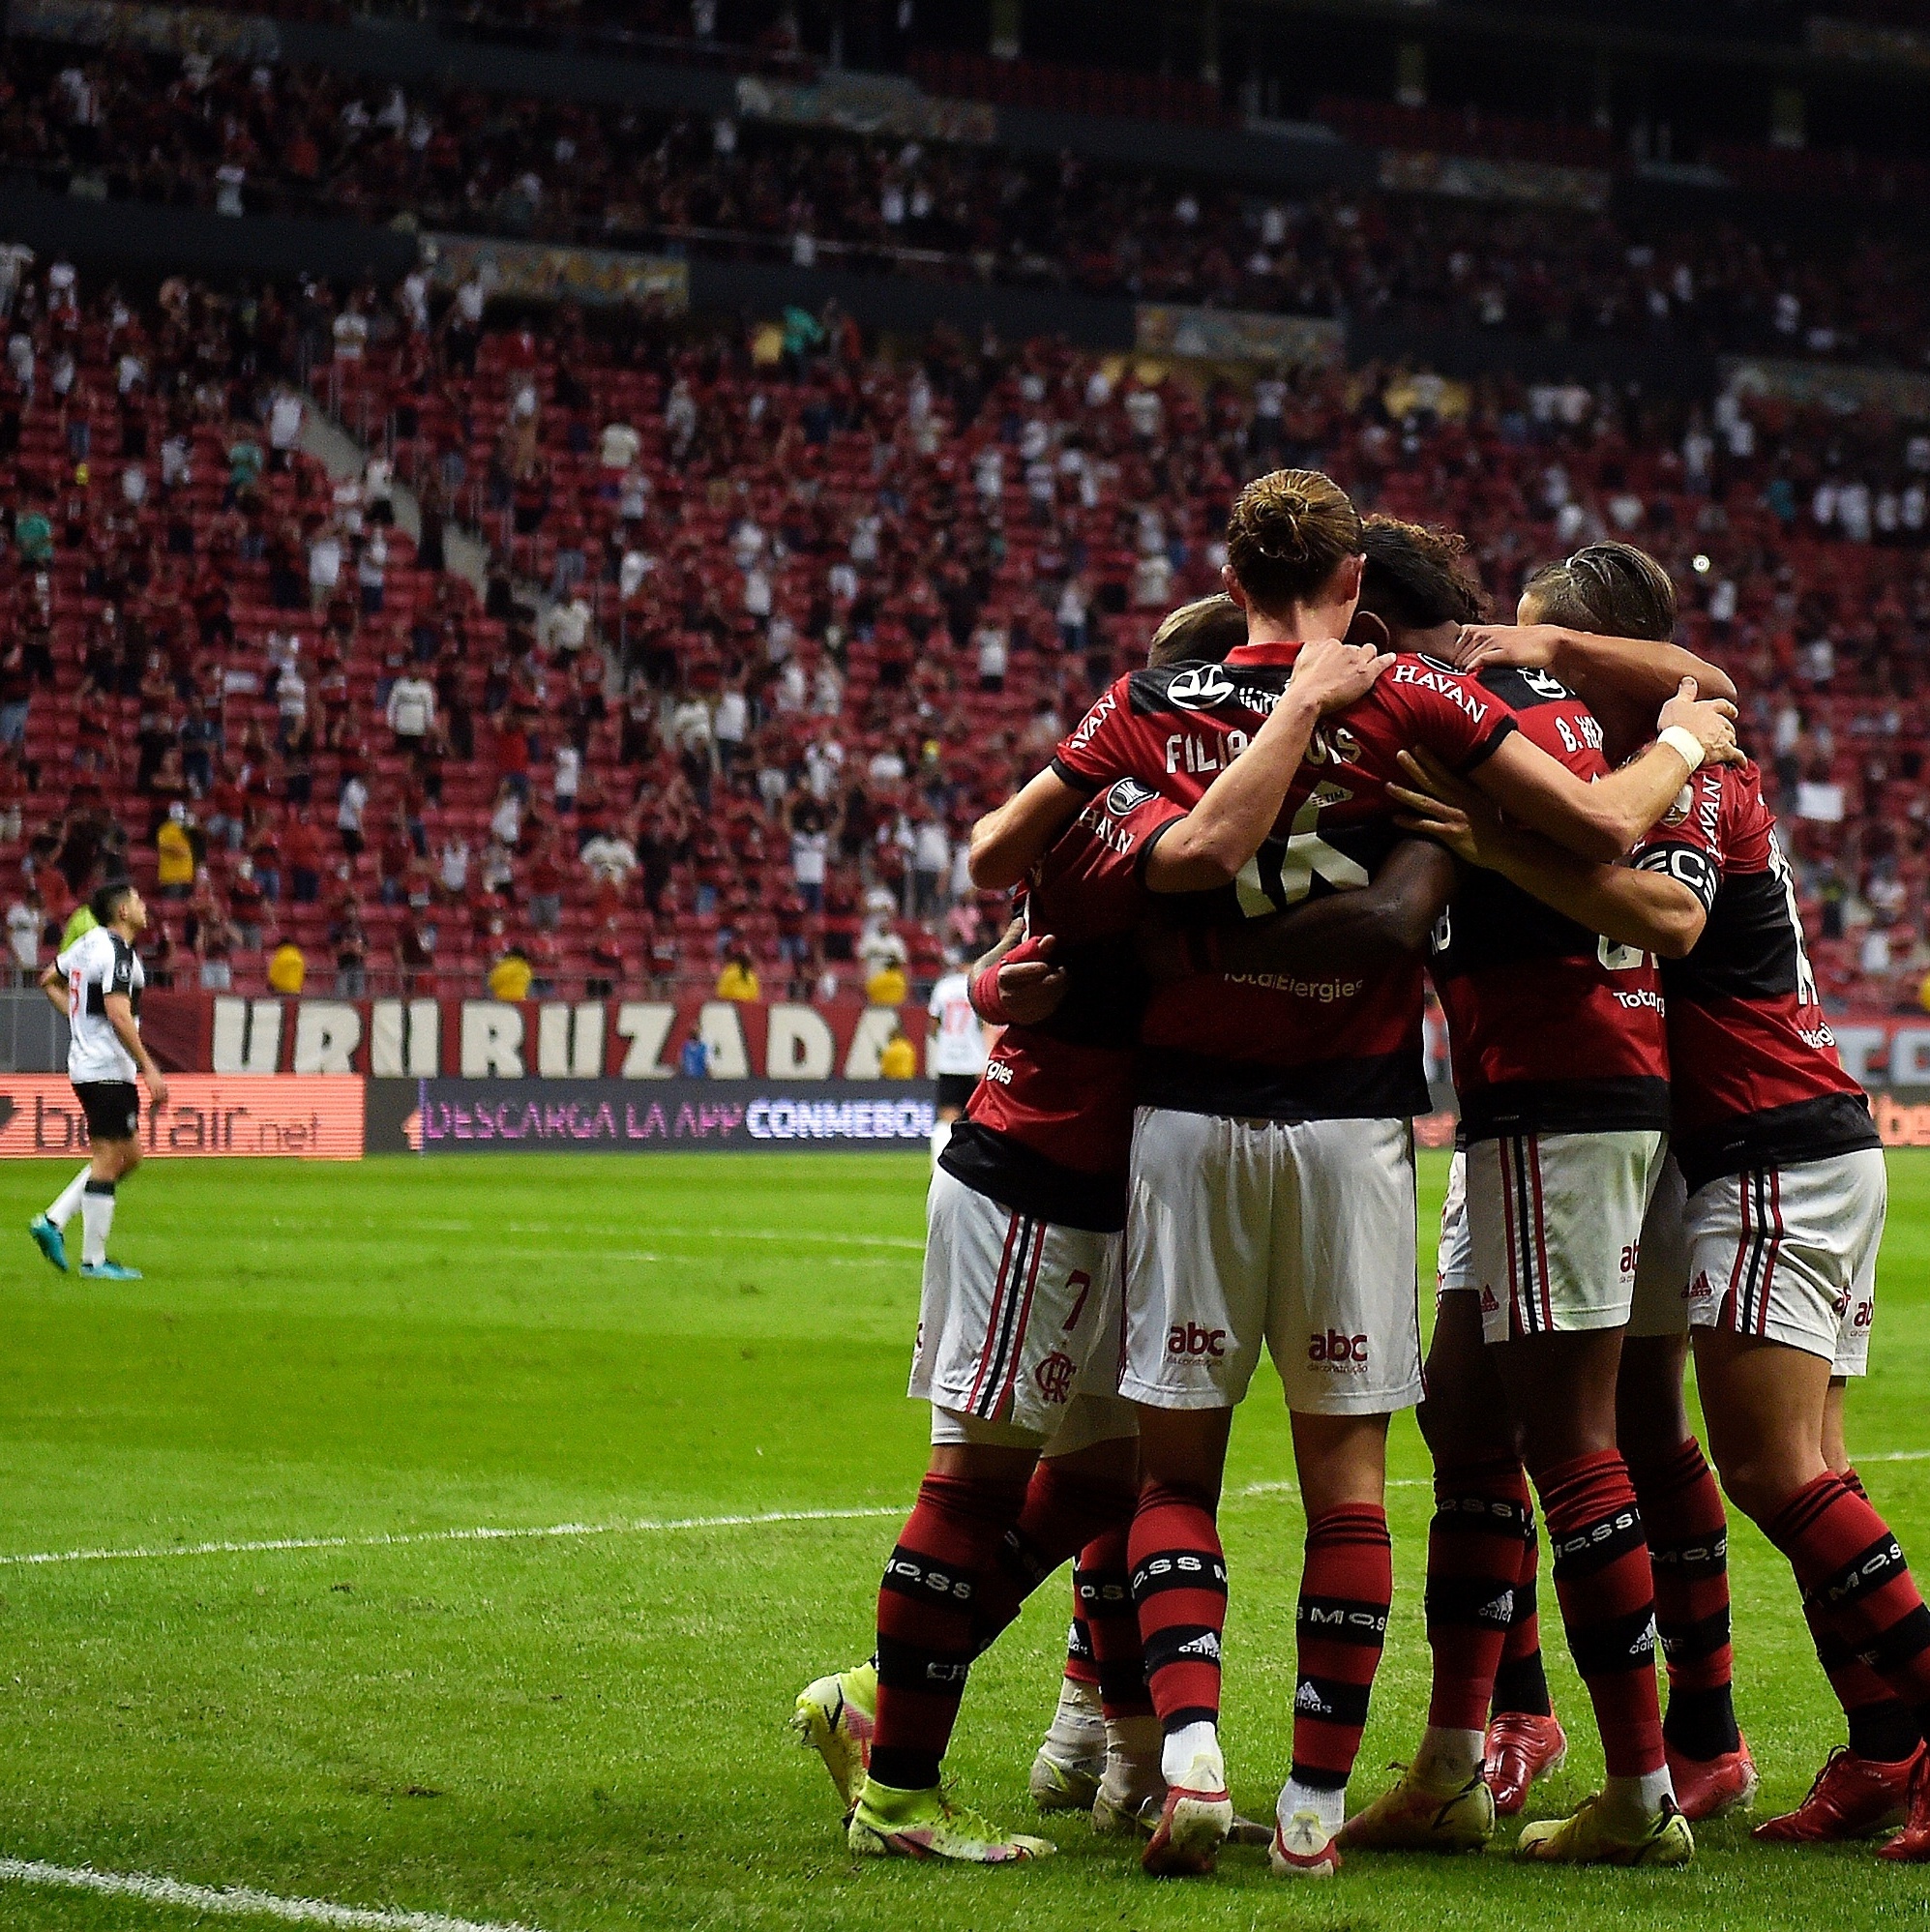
(1632, 1103)
(113, 1108)
(956, 1088)
(1778, 1137)
(1383, 1086)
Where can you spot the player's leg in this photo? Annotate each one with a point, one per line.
(114, 1126)
(1197, 1238)
(50, 1228)
(1557, 1224)
(1343, 1331)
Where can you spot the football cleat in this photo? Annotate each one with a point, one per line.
(1911, 1844)
(890, 1824)
(1521, 1749)
(1194, 1822)
(1057, 1785)
(1303, 1848)
(49, 1240)
(1411, 1817)
(1587, 1839)
(109, 1271)
(1713, 1787)
(834, 1717)
(1851, 1798)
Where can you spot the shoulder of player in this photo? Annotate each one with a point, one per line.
(1522, 687)
(1193, 688)
(1415, 680)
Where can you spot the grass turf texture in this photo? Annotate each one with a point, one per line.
(588, 1732)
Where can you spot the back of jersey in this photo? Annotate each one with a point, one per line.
(98, 963)
(1553, 1030)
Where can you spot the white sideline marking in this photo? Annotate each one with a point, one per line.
(640, 1526)
(786, 1235)
(240, 1901)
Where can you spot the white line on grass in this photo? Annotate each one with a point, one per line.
(641, 1526)
(239, 1901)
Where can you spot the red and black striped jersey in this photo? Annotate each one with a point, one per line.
(1049, 1127)
(1756, 1077)
(1553, 1030)
(1285, 1047)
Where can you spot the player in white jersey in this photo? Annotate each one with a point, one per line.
(956, 1054)
(97, 983)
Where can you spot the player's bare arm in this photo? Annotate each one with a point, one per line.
(54, 986)
(121, 1018)
(1377, 925)
(1631, 906)
(1629, 668)
(1225, 828)
(1028, 985)
(1603, 820)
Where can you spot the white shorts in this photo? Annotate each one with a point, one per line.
(1301, 1235)
(1790, 1253)
(1555, 1227)
(1018, 1316)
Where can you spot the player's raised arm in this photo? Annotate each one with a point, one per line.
(1656, 910)
(1636, 669)
(1017, 983)
(1207, 847)
(1603, 820)
(1012, 838)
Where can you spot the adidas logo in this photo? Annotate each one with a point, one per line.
(1309, 1700)
(1645, 1645)
(1502, 1610)
(1205, 1645)
(1489, 1305)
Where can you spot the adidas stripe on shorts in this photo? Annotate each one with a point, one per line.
(1297, 1235)
(1790, 1253)
(1018, 1316)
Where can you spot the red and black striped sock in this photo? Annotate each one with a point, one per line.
(1179, 1592)
(1103, 1591)
(1082, 1661)
(1062, 1513)
(1880, 1728)
(1857, 1585)
(1603, 1583)
(1688, 1553)
(1521, 1679)
(1347, 1585)
(1473, 1557)
(926, 1609)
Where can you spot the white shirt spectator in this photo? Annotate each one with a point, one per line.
(325, 561)
(412, 707)
(809, 851)
(566, 627)
(284, 420)
(958, 1046)
(506, 821)
(454, 864)
(610, 857)
(932, 850)
(354, 802)
(23, 935)
(620, 445)
(733, 721)
(569, 775)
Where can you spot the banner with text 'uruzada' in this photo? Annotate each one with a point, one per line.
(602, 1116)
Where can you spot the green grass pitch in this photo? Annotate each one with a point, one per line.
(587, 1731)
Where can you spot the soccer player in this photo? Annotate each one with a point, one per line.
(1786, 1191)
(1017, 1339)
(97, 983)
(1561, 1065)
(1272, 1180)
(955, 1053)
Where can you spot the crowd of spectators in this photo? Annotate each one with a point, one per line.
(275, 138)
(813, 609)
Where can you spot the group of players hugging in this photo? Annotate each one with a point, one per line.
(1195, 1136)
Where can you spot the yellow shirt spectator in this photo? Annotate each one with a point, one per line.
(288, 969)
(176, 854)
(899, 1061)
(740, 981)
(888, 986)
(509, 979)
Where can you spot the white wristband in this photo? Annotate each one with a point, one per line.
(1684, 743)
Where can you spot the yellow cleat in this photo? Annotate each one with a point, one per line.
(891, 1823)
(834, 1717)
(1587, 1839)
(1412, 1817)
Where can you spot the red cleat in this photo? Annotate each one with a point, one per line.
(1911, 1844)
(1520, 1749)
(1713, 1787)
(1192, 1825)
(1851, 1798)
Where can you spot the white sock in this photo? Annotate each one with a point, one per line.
(1133, 1751)
(1447, 1759)
(1078, 1727)
(67, 1203)
(1636, 1801)
(942, 1134)
(1185, 1748)
(97, 1216)
(1329, 1806)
